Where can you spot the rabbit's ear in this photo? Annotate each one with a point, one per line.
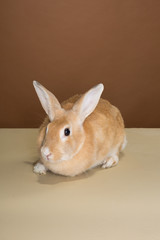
(49, 102)
(88, 102)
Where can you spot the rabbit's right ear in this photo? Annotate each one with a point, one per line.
(48, 101)
(88, 102)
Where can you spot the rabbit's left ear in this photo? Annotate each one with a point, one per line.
(48, 101)
(88, 102)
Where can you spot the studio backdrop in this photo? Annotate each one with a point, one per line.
(71, 45)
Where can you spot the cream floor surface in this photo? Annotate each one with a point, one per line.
(118, 203)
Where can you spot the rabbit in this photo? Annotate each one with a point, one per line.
(81, 133)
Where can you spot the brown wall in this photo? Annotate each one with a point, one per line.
(69, 46)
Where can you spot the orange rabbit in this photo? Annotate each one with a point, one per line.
(82, 133)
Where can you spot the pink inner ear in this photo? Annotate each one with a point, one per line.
(48, 101)
(43, 97)
(89, 103)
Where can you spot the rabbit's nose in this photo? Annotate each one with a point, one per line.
(48, 155)
(46, 152)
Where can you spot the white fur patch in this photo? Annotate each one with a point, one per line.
(45, 151)
(46, 129)
(39, 168)
(110, 162)
(124, 144)
(46, 154)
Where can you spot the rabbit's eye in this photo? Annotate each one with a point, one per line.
(67, 132)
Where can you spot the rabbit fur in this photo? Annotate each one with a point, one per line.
(81, 133)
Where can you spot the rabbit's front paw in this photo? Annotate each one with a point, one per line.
(40, 169)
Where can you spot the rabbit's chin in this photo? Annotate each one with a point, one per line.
(48, 160)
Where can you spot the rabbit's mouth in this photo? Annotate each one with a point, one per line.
(48, 159)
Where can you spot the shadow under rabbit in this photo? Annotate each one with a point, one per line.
(52, 178)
